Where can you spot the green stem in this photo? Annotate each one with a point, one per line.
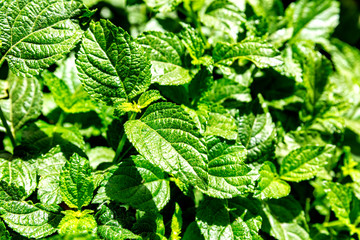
(7, 128)
(61, 118)
(122, 142)
(2, 60)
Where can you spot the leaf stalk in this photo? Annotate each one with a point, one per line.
(7, 128)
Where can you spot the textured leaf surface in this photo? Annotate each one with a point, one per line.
(270, 185)
(176, 223)
(193, 42)
(231, 220)
(227, 169)
(19, 172)
(257, 133)
(339, 197)
(98, 155)
(111, 65)
(257, 51)
(4, 233)
(29, 220)
(77, 222)
(165, 51)
(166, 137)
(49, 167)
(24, 103)
(305, 162)
(314, 19)
(11, 191)
(35, 34)
(139, 184)
(109, 232)
(76, 182)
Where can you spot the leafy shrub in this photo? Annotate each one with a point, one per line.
(208, 119)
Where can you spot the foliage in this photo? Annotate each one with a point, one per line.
(181, 119)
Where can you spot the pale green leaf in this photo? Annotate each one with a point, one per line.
(29, 220)
(235, 219)
(227, 169)
(313, 20)
(67, 72)
(19, 172)
(51, 30)
(111, 65)
(76, 182)
(70, 102)
(270, 185)
(140, 184)
(305, 162)
(98, 155)
(166, 137)
(176, 223)
(109, 232)
(165, 51)
(149, 97)
(77, 222)
(162, 6)
(261, 53)
(24, 102)
(339, 197)
(256, 132)
(49, 167)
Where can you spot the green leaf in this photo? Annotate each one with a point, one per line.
(193, 42)
(111, 65)
(4, 233)
(176, 223)
(70, 102)
(149, 97)
(270, 185)
(11, 191)
(256, 132)
(192, 232)
(76, 183)
(218, 122)
(227, 169)
(49, 32)
(49, 167)
(261, 53)
(313, 20)
(305, 162)
(225, 18)
(109, 232)
(166, 137)
(162, 6)
(98, 155)
(77, 222)
(20, 172)
(29, 220)
(24, 103)
(339, 197)
(165, 51)
(140, 184)
(235, 219)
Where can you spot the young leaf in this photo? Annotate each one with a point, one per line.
(77, 222)
(166, 137)
(49, 32)
(111, 65)
(262, 54)
(193, 42)
(49, 167)
(176, 223)
(229, 219)
(313, 20)
(29, 220)
(270, 185)
(140, 184)
(76, 183)
(305, 162)
(339, 197)
(24, 103)
(227, 169)
(98, 155)
(166, 52)
(20, 172)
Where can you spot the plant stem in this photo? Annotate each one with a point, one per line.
(7, 128)
(122, 142)
(61, 118)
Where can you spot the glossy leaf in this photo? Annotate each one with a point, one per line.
(166, 52)
(109, 232)
(76, 183)
(29, 220)
(140, 184)
(227, 169)
(106, 67)
(49, 32)
(193, 42)
(166, 137)
(98, 155)
(305, 162)
(262, 54)
(19, 172)
(339, 197)
(77, 222)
